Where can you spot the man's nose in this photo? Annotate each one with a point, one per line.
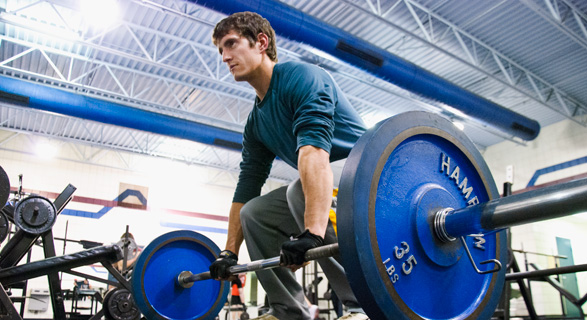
(225, 57)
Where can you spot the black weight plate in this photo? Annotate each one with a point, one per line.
(105, 308)
(35, 214)
(4, 227)
(4, 188)
(121, 306)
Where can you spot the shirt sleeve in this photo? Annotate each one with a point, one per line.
(313, 99)
(255, 167)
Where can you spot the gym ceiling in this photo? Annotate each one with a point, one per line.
(528, 56)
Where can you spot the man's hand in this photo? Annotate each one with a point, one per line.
(293, 251)
(219, 268)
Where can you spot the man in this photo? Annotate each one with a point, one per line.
(301, 116)
(119, 265)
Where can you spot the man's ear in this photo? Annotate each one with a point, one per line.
(263, 41)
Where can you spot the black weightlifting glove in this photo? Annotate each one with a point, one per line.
(293, 251)
(219, 268)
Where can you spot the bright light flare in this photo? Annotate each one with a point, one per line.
(100, 13)
(459, 125)
(46, 150)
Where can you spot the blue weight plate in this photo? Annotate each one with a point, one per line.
(154, 278)
(396, 177)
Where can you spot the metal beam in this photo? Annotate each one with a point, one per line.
(530, 91)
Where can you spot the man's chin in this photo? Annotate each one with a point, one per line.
(238, 78)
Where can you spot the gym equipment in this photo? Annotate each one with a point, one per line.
(4, 195)
(400, 181)
(35, 214)
(392, 185)
(110, 254)
(119, 305)
(132, 249)
(49, 267)
(411, 187)
(4, 188)
(186, 279)
(21, 242)
(4, 226)
(154, 278)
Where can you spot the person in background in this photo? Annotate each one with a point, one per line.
(313, 309)
(237, 297)
(82, 284)
(301, 116)
(119, 265)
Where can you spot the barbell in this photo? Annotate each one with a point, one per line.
(420, 225)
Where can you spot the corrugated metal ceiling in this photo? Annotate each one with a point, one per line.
(528, 55)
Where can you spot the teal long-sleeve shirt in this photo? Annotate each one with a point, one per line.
(303, 106)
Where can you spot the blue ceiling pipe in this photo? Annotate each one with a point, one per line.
(36, 96)
(298, 26)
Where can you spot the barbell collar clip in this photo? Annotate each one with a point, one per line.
(440, 225)
(495, 261)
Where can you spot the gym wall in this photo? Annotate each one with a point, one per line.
(559, 152)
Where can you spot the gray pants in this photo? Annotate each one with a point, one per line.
(267, 222)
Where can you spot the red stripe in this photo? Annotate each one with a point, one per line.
(112, 204)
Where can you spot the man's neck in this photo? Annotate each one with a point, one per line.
(262, 79)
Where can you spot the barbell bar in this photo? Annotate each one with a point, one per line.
(480, 218)
(407, 183)
(541, 204)
(186, 279)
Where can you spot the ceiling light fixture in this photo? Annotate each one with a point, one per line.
(46, 150)
(100, 13)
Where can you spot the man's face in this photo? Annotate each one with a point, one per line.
(241, 58)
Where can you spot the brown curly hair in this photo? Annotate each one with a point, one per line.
(249, 25)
